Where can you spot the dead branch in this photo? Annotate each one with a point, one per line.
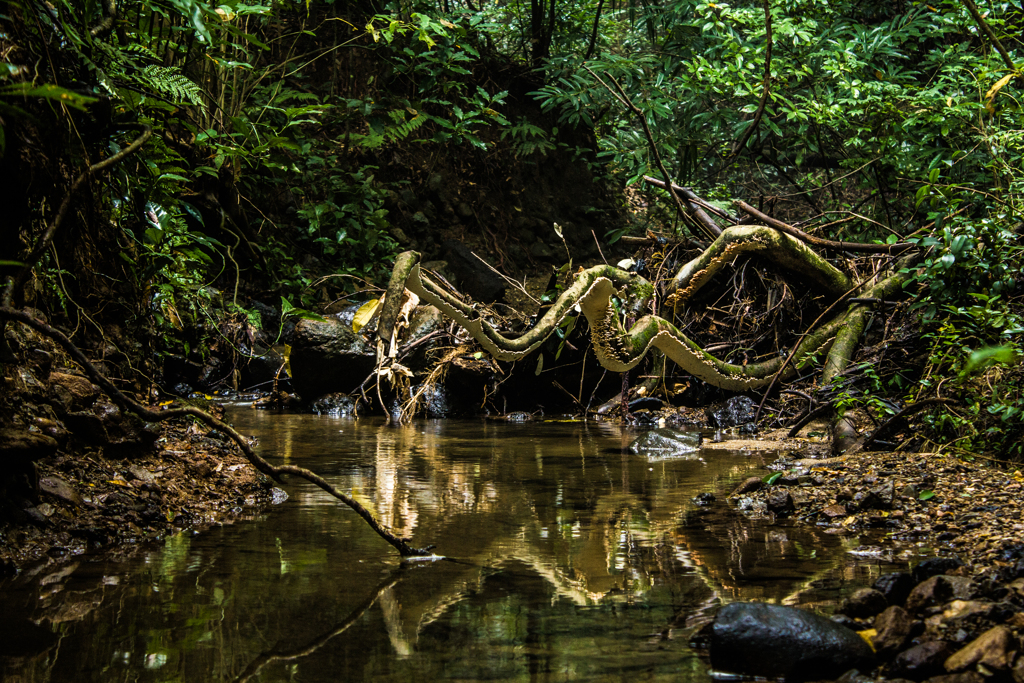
(897, 248)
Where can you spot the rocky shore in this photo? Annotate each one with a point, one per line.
(957, 618)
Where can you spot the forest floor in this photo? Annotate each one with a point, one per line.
(969, 510)
(194, 476)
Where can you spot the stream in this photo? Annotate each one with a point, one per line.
(567, 558)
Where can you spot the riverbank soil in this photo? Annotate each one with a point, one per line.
(80, 475)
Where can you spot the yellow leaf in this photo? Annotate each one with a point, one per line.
(868, 635)
(998, 86)
(365, 314)
(949, 101)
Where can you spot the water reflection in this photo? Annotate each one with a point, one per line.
(570, 559)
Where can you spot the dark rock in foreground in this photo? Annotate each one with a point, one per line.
(759, 639)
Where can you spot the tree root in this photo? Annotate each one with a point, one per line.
(275, 472)
(617, 349)
(784, 250)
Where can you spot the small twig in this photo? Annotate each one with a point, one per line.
(599, 250)
(821, 242)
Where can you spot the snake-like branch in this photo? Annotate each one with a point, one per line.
(784, 250)
(617, 348)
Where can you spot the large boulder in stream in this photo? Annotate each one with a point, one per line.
(327, 356)
(760, 639)
(664, 444)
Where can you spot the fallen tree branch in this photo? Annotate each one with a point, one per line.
(128, 404)
(692, 197)
(899, 247)
(809, 416)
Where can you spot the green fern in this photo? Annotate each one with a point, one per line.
(171, 84)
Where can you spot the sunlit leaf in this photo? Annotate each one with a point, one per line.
(365, 314)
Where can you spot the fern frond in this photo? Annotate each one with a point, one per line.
(170, 84)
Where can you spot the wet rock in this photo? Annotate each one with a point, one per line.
(880, 498)
(748, 485)
(472, 274)
(105, 425)
(327, 356)
(780, 500)
(959, 610)
(20, 446)
(774, 640)
(1018, 670)
(81, 391)
(892, 629)
(141, 474)
(42, 360)
(58, 488)
(434, 400)
(36, 516)
(834, 511)
(260, 366)
(662, 444)
(704, 499)
(921, 661)
(864, 603)
(895, 587)
(938, 590)
(854, 676)
(965, 677)
(935, 566)
(991, 649)
(738, 411)
(335, 404)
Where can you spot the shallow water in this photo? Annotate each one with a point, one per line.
(568, 559)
